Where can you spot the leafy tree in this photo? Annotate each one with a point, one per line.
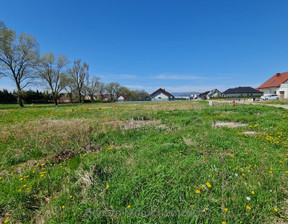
(79, 73)
(18, 55)
(50, 70)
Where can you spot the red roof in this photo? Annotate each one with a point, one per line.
(163, 91)
(275, 81)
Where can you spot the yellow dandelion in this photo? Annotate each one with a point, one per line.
(197, 192)
(208, 185)
(226, 209)
(270, 171)
(129, 206)
(24, 185)
(180, 153)
(28, 189)
(248, 207)
(6, 220)
(63, 206)
(252, 192)
(275, 209)
(243, 174)
(287, 171)
(0, 178)
(71, 196)
(19, 190)
(107, 186)
(223, 222)
(21, 179)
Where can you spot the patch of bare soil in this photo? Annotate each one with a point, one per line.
(134, 124)
(250, 133)
(228, 124)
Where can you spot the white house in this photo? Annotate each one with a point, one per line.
(277, 84)
(161, 95)
(121, 98)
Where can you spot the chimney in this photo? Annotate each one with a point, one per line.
(278, 74)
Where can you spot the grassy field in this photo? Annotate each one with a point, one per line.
(145, 162)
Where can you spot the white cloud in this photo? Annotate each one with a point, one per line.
(179, 77)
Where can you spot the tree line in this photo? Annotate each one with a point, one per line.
(21, 61)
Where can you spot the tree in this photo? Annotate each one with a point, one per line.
(50, 70)
(18, 56)
(113, 90)
(102, 89)
(79, 74)
(69, 86)
(92, 87)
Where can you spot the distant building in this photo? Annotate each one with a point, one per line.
(161, 95)
(122, 98)
(277, 84)
(63, 98)
(242, 91)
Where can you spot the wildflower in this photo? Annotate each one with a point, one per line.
(226, 209)
(223, 222)
(107, 186)
(0, 178)
(19, 190)
(248, 198)
(208, 185)
(275, 209)
(180, 153)
(71, 196)
(248, 207)
(197, 192)
(129, 206)
(287, 171)
(270, 171)
(21, 179)
(243, 174)
(252, 192)
(24, 185)
(28, 189)
(236, 174)
(63, 206)
(6, 220)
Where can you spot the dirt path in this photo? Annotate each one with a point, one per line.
(274, 105)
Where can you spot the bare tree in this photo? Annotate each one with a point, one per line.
(50, 70)
(113, 90)
(69, 86)
(79, 74)
(18, 55)
(92, 87)
(102, 89)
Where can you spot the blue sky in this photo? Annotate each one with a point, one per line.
(146, 44)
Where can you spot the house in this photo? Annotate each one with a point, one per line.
(121, 98)
(161, 95)
(277, 84)
(242, 91)
(214, 93)
(63, 98)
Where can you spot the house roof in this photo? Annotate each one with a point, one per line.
(275, 80)
(241, 89)
(162, 91)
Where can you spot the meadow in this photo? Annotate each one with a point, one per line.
(144, 162)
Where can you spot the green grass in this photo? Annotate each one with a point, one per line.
(136, 162)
